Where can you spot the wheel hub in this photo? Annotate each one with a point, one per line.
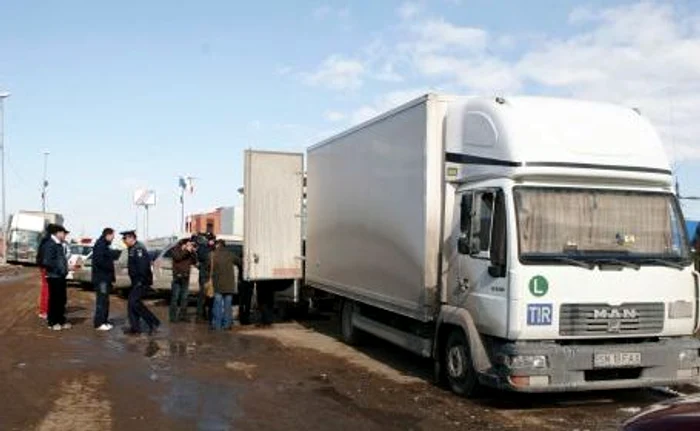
(455, 362)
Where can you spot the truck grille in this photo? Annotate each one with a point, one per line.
(641, 318)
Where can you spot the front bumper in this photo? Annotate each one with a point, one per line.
(571, 367)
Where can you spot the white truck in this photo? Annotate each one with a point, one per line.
(523, 243)
(24, 233)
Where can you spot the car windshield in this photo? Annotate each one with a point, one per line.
(82, 250)
(593, 224)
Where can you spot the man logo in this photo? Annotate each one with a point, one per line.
(615, 313)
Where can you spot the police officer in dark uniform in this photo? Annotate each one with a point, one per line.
(141, 278)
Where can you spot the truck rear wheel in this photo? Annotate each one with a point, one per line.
(458, 365)
(350, 334)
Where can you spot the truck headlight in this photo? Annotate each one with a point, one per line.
(680, 310)
(528, 361)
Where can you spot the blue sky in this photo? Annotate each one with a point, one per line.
(132, 94)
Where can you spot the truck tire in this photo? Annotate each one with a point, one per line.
(459, 368)
(349, 333)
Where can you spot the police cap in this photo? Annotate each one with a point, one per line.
(128, 233)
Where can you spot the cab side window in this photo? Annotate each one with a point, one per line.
(482, 221)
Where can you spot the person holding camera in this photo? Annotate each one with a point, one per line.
(184, 257)
(205, 248)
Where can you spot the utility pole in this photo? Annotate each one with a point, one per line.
(45, 183)
(186, 184)
(3, 96)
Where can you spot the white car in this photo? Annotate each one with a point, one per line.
(77, 253)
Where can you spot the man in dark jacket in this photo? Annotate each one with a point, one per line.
(141, 278)
(205, 249)
(225, 270)
(184, 257)
(103, 277)
(56, 264)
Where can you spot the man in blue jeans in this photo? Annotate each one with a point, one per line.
(103, 277)
(184, 257)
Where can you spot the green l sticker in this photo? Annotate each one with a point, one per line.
(539, 286)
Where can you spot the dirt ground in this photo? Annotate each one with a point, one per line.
(293, 376)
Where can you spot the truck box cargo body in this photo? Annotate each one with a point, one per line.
(24, 233)
(525, 243)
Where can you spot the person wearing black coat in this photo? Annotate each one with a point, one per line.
(56, 264)
(141, 279)
(103, 277)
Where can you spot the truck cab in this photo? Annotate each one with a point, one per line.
(570, 263)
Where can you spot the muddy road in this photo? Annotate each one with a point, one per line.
(293, 376)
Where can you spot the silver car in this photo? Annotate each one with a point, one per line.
(163, 265)
(82, 271)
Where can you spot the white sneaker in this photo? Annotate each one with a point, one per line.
(104, 327)
(56, 327)
(66, 326)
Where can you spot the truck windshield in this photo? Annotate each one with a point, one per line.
(599, 226)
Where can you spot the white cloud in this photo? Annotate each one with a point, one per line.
(644, 55)
(326, 11)
(384, 103)
(440, 35)
(283, 70)
(334, 116)
(338, 73)
(409, 10)
(322, 12)
(655, 69)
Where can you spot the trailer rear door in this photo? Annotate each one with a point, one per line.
(273, 197)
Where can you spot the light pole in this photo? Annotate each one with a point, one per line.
(45, 183)
(3, 96)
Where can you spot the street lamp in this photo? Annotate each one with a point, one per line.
(45, 182)
(3, 95)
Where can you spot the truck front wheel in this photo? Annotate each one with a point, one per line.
(458, 365)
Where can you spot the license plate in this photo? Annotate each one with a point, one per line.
(609, 360)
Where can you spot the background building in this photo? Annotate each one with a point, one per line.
(220, 221)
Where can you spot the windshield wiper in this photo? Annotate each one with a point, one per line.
(561, 259)
(624, 263)
(669, 263)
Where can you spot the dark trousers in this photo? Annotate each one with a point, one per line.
(245, 296)
(266, 302)
(102, 291)
(179, 294)
(138, 311)
(204, 304)
(57, 301)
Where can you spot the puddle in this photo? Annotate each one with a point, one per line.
(212, 406)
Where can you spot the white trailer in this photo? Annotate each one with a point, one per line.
(532, 244)
(272, 222)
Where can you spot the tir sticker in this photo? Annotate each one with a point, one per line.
(539, 314)
(539, 286)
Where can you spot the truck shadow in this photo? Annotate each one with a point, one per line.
(414, 366)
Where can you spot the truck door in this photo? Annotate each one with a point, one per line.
(482, 279)
(272, 222)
